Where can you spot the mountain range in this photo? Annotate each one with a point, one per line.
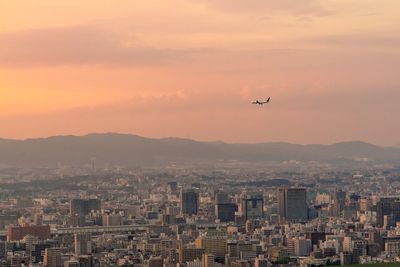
(133, 150)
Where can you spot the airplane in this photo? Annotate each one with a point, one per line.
(261, 102)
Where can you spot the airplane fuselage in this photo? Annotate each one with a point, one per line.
(257, 102)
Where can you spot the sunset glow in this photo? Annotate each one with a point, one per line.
(190, 68)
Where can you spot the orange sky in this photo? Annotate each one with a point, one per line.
(190, 68)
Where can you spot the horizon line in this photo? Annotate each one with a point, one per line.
(191, 139)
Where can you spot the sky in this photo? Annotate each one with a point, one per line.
(191, 68)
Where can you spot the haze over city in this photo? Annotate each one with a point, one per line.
(199, 133)
(191, 69)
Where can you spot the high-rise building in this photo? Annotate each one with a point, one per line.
(292, 204)
(3, 251)
(190, 254)
(345, 258)
(339, 202)
(189, 202)
(37, 252)
(221, 198)
(225, 212)
(315, 237)
(359, 248)
(52, 257)
(390, 207)
(302, 247)
(85, 260)
(232, 248)
(278, 253)
(215, 245)
(84, 206)
(252, 206)
(208, 260)
(347, 245)
(112, 220)
(392, 248)
(83, 244)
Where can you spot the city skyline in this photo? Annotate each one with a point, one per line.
(199, 133)
(192, 68)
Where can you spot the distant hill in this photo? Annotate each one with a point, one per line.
(129, 150)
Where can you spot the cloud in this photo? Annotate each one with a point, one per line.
(304, 117)
(81, 44)
(360, 40)
(292, 7)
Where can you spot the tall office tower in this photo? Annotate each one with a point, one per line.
(252, 206)
(302, 247)
(208, 260)
(84, 206)
(29, 241)
(225, 212)
(232, 249)
(339, 202)
(189, 202)
(221, 198)
(3, 253)
(390, 207)
(83, 244)
(359, 248)
(292, 204)
(281, 196)
(52, 257)
(37, 252)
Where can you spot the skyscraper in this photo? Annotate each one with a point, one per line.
(208, 260)
(387, 206)
(84, 206)
(189, 202)
(221, 198)
(83, 244)
(292, 204)
(52, 257)
(225, 212)
(252, 206)
(339, 201)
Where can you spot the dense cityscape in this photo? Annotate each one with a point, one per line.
(199, 133)
(309, 215)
